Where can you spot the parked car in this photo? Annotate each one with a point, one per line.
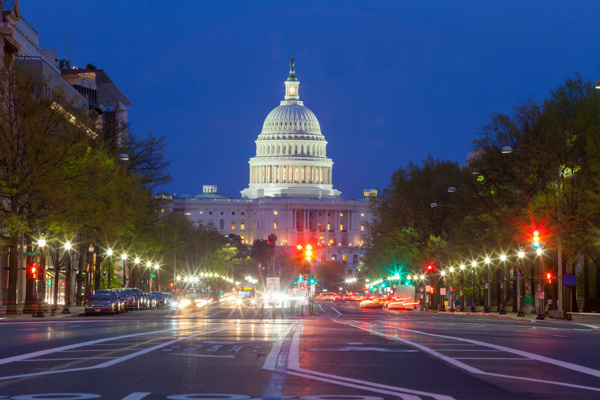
(132, 301)
(159, 299)
(168, 298)
(101, 304)
(115, 296)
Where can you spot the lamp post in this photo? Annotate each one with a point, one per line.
(502, 285)
(473, 265)
(41, 289)
(509, 150)
(451, 285)
(67, 280)
(486, 307)
(124, 261)
(148, 266)
(462, 287)
(136, 263)
(541, 289)
(442, 284)
(90, 271)
(109, 253)
(519, 272)
(156, 277)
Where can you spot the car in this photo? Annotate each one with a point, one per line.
(101, 304)
(191, 299)
(168, 298)
(328, 296)
(115, 296)
(132, 301)
(353, 297)
(158, 299)
(400, 303)
(374, 302)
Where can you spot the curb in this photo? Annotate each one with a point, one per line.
(494, 316)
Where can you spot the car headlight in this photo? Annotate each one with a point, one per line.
(238, 301)
(184, 303)
(253, 302)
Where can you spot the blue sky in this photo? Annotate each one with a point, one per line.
(389, 81)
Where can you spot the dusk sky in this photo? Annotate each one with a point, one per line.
(389, 81)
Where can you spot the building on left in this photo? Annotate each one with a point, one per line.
(89, 88)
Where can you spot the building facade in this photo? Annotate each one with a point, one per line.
(290, 192)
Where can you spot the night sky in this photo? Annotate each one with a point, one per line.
(389, 81)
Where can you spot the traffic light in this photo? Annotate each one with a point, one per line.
(171, 284)
(429, 267)
(308, 253)
(431, 290)
(549, 278)
(32, 272)
(536, 239)
(300, 278)
(271, 241)
(312, 280)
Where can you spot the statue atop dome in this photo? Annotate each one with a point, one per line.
(292, 76)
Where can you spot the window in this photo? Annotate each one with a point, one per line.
(275, 225)
(275, 213)
(233, 226)
(233, 213)
(210, 213)
(201, 212)
(345, 258)
(241, 237)
(362, 227)
(242, 225)
(362, 215)
(341, 214)
(328, 227)
(341, 227)
(222, 224)
(221, 212)
(334, 257)
(355, 259)
(242, 213)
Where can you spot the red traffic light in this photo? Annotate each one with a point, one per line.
(549, 277)
(171, 284)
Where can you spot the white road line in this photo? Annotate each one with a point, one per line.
(28, 356)
(103, 350)
(333, 308)
(487, 358)
(67, 359)
(473, 370)
(136, 396)
(271, 359)
(294, 365)
(200, 355)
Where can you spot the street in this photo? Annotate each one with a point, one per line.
(224, 352)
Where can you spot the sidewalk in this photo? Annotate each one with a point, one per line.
(578, 318)
(74, 312)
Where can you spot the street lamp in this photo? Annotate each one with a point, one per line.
(502, 285)
(541, 291)
(124, 259)
(67, 280)
(462, 288)
(519, 272)
(486, 307)
(451, 285)
(109, 253)
(473, 265)
(442, 283)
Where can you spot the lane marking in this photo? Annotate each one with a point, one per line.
(294, 369)
(271, 359)
(116, 360)
(136, 396)
(201, 355)
(354, 348)
(68, 359)
(334, 309)
(487, 358)
(473, 370)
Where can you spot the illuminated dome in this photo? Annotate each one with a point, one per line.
(291, 158)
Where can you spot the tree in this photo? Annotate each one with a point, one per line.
(38, 144)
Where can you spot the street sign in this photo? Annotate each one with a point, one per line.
(443, 291)
(541, 295)
(31, 253)
(273, 284)
(313, 289)
(302, 285)
(302, 298)
(152, 275)
(486, 285)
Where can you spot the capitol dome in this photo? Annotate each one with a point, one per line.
(291, 157)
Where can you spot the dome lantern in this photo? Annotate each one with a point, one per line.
(291, 85)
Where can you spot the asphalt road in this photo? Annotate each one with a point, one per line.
(224, 352)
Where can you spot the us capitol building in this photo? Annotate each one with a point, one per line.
(290, 193)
